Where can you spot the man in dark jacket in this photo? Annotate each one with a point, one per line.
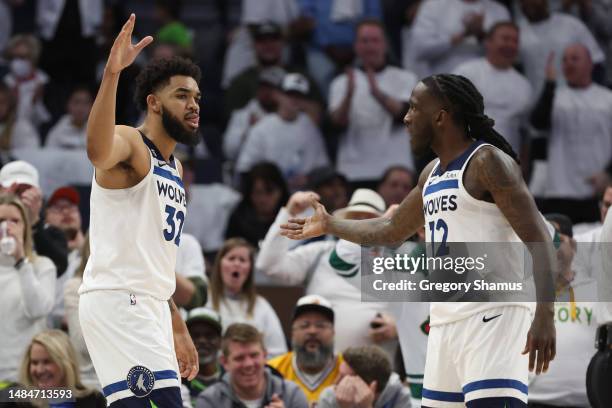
(248, 383)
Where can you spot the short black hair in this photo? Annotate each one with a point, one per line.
(157, 74)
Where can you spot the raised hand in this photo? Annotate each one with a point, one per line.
(300, 201)
(302, 228)
(123, 52)
(551, 70)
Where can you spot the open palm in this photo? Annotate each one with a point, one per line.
(123, 52)
(302, 228)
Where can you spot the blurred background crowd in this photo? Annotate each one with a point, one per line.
(298, 95)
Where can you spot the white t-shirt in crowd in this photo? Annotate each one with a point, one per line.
(580, 142)
(189, 258)
(437, 21)
(24, 135)
(373, 141)
(295, 147)
(238, 127)
(507, 96)
(66, 135)
(264, 318)
(554, 34)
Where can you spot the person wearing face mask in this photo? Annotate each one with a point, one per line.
(25, 79)
(50, 362)
(27, 282)
(233, 295)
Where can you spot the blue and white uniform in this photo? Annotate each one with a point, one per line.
(130, 275)
(474, 348)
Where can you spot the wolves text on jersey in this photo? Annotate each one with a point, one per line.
(171, 191)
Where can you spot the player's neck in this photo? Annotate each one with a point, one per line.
(450, 146)
(156, 133)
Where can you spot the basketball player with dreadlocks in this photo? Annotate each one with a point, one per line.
(476, 354)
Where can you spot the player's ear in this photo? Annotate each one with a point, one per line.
(154, 103)
(440, 116)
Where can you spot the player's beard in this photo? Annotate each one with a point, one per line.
(177, 131)
(313, 359)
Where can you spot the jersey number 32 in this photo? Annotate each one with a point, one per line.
(172, 231)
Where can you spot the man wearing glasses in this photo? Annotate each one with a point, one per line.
(312, 364)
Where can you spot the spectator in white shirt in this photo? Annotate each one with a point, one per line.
(288, 138)
(15, 133)
(580, 142)
(242, 120)
(507, 93)
(26, 80)
(447, 33)
(544, 34)
(369, 102)
(70, 131)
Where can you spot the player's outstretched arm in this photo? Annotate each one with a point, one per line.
(404, 222)
(501, 176)
(105, 146)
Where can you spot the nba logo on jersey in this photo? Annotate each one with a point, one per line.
(132, 299)
(140, 381)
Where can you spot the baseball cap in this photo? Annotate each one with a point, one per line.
(295, 82)
(366, 201)
(272, 76)
(18, 172)
(207, 315)
(267, 29)
(67, 193)
(321, 175)
(313, 303)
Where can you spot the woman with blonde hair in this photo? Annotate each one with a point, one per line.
(50, 362)
(27, 283)
(233, 294)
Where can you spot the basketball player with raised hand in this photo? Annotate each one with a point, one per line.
(476, 356)
(138, 343)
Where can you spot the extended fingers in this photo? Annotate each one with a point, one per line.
(143, 43)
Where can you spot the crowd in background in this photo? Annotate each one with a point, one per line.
(300, 97)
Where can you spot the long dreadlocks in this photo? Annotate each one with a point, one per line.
(466, 106)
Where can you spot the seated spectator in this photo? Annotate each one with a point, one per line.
(369, 106)
(205, 328)
(507, 94)
(268, 43)
(191, 282)
(331, 186)
(70, 132)
(366, 380)
(330, 27)
(26, 80)
(312, 364)
(394, 185)
(15, 133)
(331, 269)
(247, 382)
(51, 362)
(62, 212)
(28, 286)
(71, 317)
(564, 384)
(21, 178)
(545, 35)
(264, 192)
(447, 33)
(580, 141)
(288, 138)
(234, 297)
(243, 119)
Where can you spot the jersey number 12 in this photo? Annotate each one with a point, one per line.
(442, 248)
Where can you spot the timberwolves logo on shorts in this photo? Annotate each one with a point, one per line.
(140, 381)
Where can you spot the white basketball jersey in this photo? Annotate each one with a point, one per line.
(452, 215)
(135, 232)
